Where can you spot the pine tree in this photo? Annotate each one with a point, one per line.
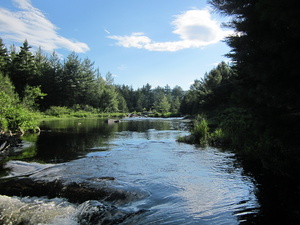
(23, 69)
(4, 58)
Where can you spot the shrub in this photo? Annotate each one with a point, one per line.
(58, 111)
(14, 116)
(200, 131)
(216, 138)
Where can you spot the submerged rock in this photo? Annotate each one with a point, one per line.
(73, 192)
(95, 212)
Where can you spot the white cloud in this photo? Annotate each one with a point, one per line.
(30, 23)
(195, 29)
(137, 40)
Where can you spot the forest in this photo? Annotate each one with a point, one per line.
(45, 83)
(252, 103)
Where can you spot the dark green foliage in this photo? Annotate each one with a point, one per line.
(253, 104)
(211, 94)
(22, 69)
(4, 58)
(264, 113)
(50, 72)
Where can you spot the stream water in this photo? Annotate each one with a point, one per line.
(165, 182)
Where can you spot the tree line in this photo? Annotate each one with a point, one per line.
(45, 82)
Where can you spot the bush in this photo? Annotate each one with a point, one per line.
(58, 111)
(3, 124)
(200, 131)
(216, 138)
(13, 116)
(81, 114)
(85, 108)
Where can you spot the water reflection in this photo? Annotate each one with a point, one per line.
(65, 140)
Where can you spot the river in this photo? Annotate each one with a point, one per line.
(146, 175)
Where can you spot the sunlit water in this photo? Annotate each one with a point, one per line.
(174, 183)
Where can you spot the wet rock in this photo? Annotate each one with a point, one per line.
(74, 192)
(94, 212)
(112, 121)
(101, 178)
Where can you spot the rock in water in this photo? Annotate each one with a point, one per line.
(94, 212)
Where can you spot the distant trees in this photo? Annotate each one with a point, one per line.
(74, 82)
(60, 83)
(159, 99)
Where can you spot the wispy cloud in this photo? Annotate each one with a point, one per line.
(28, 22)
(106, 31)
(122, 67)
(195, 29)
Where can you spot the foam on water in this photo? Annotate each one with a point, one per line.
(15, 210)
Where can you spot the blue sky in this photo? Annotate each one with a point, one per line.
(158, 42)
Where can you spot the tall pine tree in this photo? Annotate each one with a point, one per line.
(23, 69)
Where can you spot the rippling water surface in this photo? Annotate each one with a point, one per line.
(174, 183)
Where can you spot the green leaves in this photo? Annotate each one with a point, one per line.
(13, 116)
(31, 96)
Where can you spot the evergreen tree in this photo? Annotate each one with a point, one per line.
(129, 95)
(50, 72)
(162, 105)
(147, 97)
(96, 95)
(177, 95)
(41, 65)
(69, 80)
(23, 69)
(86, 83)
(4, 58)
(109, 100)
